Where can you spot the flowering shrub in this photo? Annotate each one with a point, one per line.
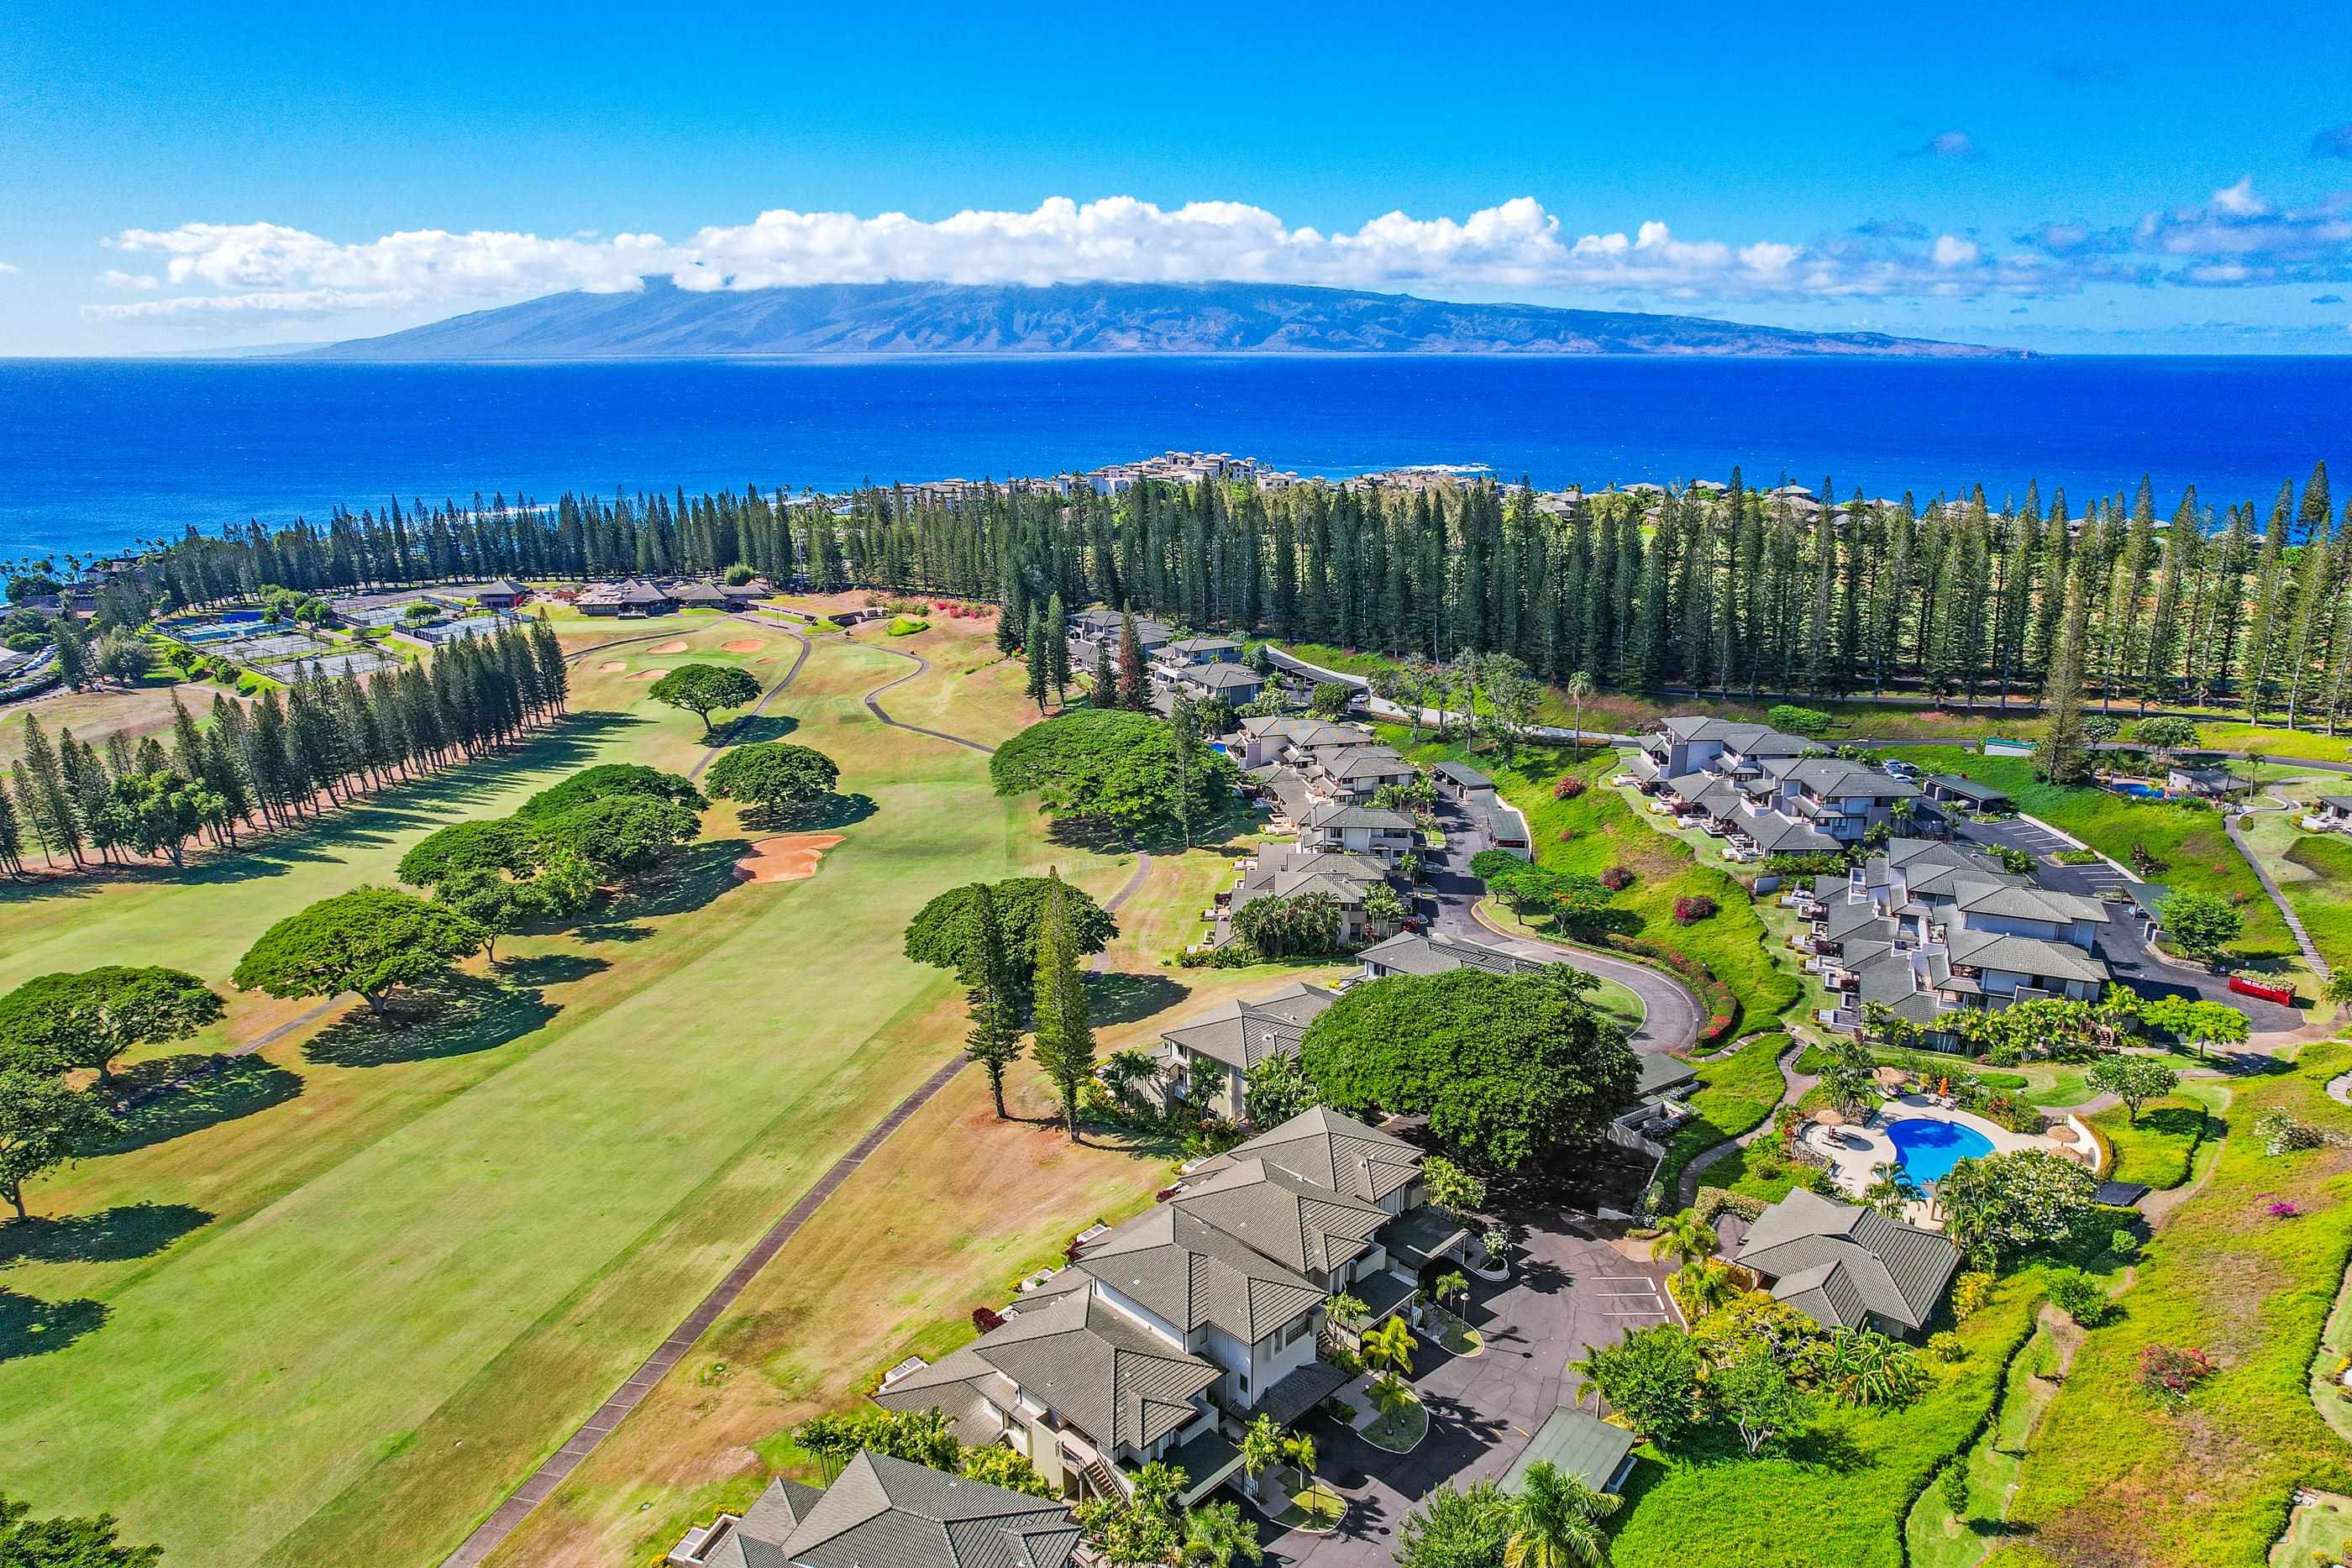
(2281, 1133)
(1723, 1007)
(1566, 834)
(2172, 1373)
(2281, 1209)
(1693, 907)
(1617, 878)
(1568, 787)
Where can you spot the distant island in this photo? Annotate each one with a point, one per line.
(665, 322)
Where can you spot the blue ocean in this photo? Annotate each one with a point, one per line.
(97, 453)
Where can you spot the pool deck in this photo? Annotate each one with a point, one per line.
(1855, 1152)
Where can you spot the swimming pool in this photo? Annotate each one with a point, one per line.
(1928, 1148)
(2137, 791)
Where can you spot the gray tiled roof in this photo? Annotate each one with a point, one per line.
(2027, 902)
(1189, 1272)
(2026, 955)
(1337, 1152)
(1896, 1270)
(1089, 1363)
(1339, 814)
(1414, 953)
(1244, 1033)
(1469, 777)
(890, 1513)
(1306, 1227)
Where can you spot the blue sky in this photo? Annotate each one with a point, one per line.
(2163, 179)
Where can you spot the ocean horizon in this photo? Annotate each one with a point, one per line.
(97, 454)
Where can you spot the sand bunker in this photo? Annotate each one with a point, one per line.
(743, 645)
(646, 676)
(785, 859)
(612, 667)
(763, 659)
(671, 648)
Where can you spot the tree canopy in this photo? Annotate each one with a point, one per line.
(2200, 923)
(1115, 766)
(607, 779)
(775, 776)
(1511, 1070)
(941, 932)
(623, 835)
(368, 940)
(88, 1542)
(506, 844)
(703, 689)
(57, 1022)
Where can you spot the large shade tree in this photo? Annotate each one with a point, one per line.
(703, 689)
(371, 940)
(774, 776)
(1117, 767)
(58, 1022)
(1511, 1070)
(43, 1124)
(604, 781)
(941, 931)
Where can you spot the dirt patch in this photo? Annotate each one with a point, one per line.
(787, 858)
(646, 676)
(671, 648)
(612, 667)
(743, 645)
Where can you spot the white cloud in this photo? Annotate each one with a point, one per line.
(1950, 251)
(236, 268)
(6, 267)
(2239, 200)
(219, 272)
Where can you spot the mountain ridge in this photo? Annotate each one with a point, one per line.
(1010, 321)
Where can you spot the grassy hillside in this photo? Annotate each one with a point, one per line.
(1598, 830)
(2111, 1475)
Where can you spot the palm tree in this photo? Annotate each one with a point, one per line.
(1579, 688)
(1558, 1522)
(1705, 1285)
(1393, 1398)
(1344, 1312)
(1389, 1345)
(1448, 1287)
(1299, 1449)
(1214, 1534)
(1261, 1446)
(1685, 1238)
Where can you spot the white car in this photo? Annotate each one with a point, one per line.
(1896, 768)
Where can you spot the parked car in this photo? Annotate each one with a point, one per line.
(1895, 767)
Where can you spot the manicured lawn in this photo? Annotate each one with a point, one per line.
(1598, 830)
(2159, 1151)
(2113, 1476)
(2199, 855)
(2323, 899)
(1732, 1096)
(411, 1264)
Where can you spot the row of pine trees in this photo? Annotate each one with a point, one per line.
(1730, 590)
(278, 762)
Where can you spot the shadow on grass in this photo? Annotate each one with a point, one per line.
(699, 873)
(1118, 997)
(458, 1015)
(818, 817)
(30, 1326)
(751, 729)
(113, 1235)
(242, 1086)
